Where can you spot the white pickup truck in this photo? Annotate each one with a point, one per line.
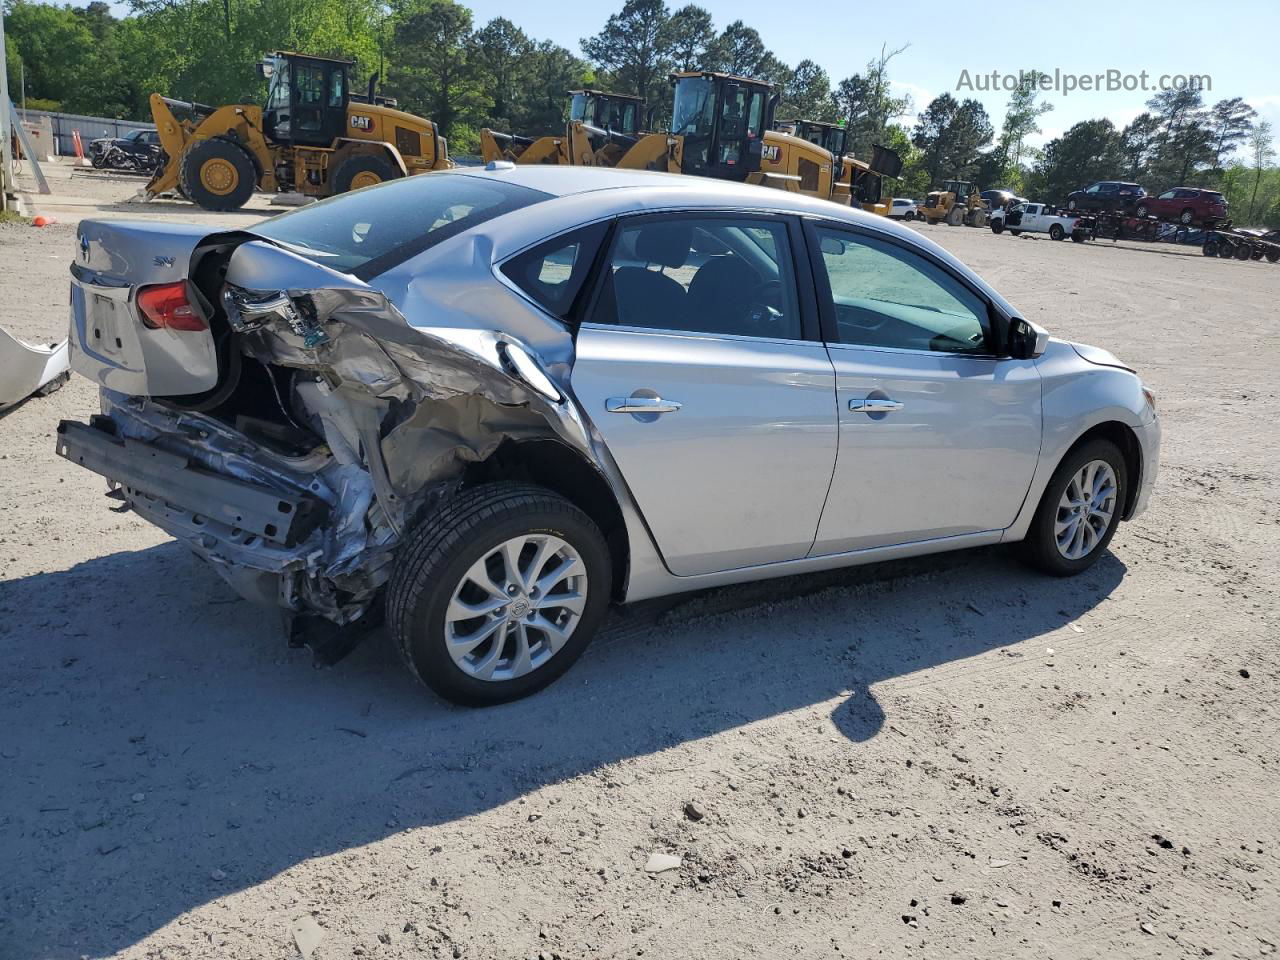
(1035, 218)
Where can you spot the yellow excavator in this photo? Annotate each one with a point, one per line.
(314, 136)
(618, 118)
(959, 201)
(722, 127)
(855, 180)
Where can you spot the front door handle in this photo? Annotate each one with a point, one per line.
(875, 405)
(641, 405)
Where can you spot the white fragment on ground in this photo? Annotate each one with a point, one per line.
(307, 934)
(662, 862)
(997, 864)
(1076, 627)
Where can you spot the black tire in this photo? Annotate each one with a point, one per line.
(1272, 255)
(1040, 548)
(218, 175)
(99, 161)
(997, 226)
(1078, 237)
(1210, 248)
(360, 170)
(908, 216)
(1242, 251)
(1056, 232)
(1016, 233)
(435, 558)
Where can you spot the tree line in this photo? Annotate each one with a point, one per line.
(438, 62)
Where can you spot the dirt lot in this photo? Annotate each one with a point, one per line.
(946, 758)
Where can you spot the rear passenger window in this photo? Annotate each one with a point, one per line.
(695, 274)
(552, 273)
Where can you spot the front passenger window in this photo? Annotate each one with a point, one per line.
(886, 296)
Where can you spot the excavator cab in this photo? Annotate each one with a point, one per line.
(616, 112)
(722, 120)
(831, 137)
(307, 99)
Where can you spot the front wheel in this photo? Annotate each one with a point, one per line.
(1071, 204)
(498, 593)
(362, 170)
(1079, 510)
(997, 226)
(1186, 217)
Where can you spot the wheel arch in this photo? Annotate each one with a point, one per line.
(553, 464)
(349, 147)
(1126, 440)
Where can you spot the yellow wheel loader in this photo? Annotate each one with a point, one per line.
(959, 201)
(314, 136)
(617, 116)
(856, 182)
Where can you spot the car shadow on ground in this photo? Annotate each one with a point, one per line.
(159, 746)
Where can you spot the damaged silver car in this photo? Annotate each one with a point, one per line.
(487, 403)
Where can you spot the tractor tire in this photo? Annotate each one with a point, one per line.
(218, 175)
(977, 218)
(955, 216)
(1056, 232)
(362, 170)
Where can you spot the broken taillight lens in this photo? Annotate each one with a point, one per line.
(165, 305)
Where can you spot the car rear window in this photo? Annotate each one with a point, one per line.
(367, 232)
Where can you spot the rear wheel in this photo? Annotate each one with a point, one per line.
(362, 170)
(1273, 254)
(498, 593)
(1079, 510)
(955, 216)
(1242, 251)
(1056, 232)
(1210, 248)
(218, 175)
(908, 216)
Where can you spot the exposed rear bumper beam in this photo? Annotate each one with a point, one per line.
(144, 469)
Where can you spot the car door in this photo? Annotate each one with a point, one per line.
(1032, 219)
(699, 362)
(939, 434)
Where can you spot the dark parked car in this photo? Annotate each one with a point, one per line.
(1106, 195)
(136, 150)
(1001, 198)
(1187, 205)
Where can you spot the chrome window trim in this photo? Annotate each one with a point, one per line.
(694, 335)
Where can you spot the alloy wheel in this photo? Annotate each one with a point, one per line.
(1086, 509)
(516, 607)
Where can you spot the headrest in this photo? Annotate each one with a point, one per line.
(664, 243)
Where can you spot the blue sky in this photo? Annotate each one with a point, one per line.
(1231, 44)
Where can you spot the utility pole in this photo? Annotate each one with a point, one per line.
(6, 161)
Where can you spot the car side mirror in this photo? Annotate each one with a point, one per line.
(1027, 340)
(834, 246)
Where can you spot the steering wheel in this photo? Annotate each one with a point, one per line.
(764, 308)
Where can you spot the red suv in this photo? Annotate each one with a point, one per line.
(1186, 205)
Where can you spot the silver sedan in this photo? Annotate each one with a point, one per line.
(489, 403)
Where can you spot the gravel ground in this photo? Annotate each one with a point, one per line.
(952, 757)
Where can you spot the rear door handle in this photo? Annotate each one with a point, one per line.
(641, 405)
(868, 405)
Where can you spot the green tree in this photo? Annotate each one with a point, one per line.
(1090, 150)
(739, 50)
(432, 67)
(1261, 152)
(951, 134)
(1021, 120)
(634, 47)
(552, 70)
(808, 95)
(1231, 122)
(502, 56)
(866, 102)
(689, 35)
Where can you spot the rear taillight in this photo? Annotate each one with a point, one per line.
(165, 305)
